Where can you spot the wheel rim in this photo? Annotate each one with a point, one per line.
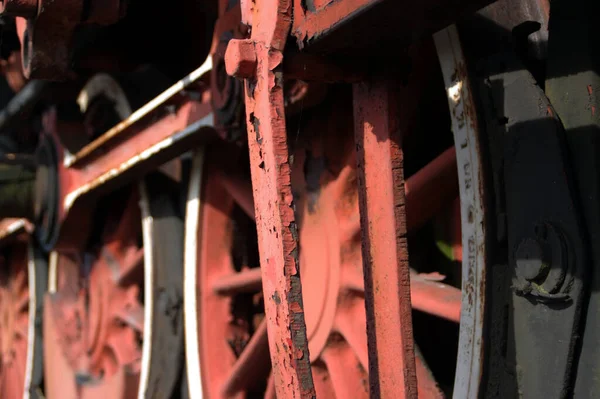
(21, 288)
(330, 241)
(468, 152)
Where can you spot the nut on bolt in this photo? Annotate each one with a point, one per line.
(531, 259)
(240, 59)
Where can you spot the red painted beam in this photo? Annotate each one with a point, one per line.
(259, 61)
(382, 203)
(334, 25)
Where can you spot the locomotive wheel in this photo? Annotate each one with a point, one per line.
(112, 325)
(232, 341)
(226, 336)
(22, 285)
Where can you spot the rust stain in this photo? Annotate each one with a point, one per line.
(276, 226)
(137, 149)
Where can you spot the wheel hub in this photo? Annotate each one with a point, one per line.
(97, 338)
(101, 323)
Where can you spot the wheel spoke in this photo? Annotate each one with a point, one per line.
(129, 226)
(352, 278)
(426, 192)
(119, 341)
(13, 376)
(19, 280)
(427, 385)
(344, 371)
(20, 360)
(2, 377)
(21, 325)
(127, 267)
(435, 298)
(252, 365)
(427, 296)
(270, 391)
(322, 381)
(241, 192)
(133, 264)
(133, 316)
(351, 323)
(248, 280)
(23, 302)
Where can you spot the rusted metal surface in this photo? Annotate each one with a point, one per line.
(273, 201)
(103, 336)
(392, 370)
(546, 239)
(172, 132)
(468, 146)
(226, 91)
(435, 298)
(330, 260)
(47, 28)
(139, 115)
(240, 59)
(572, 84)
(510, 25)
(100, 323)
(335, 25)
(152, 135)
(14, 320)
(313, 21)
(229, 361)
(430, 189)
(310, 68)
(46, 39)
(135, 146)
(11, 227)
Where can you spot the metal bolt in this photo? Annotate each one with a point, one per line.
(530, 259)
(240, 59)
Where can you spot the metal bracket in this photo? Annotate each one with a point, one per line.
(546, 242)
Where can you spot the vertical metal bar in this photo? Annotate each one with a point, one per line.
(392, 370)
(277, 232)
(272, 191)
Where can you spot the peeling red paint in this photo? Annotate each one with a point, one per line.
(130, 153)
(273, 201)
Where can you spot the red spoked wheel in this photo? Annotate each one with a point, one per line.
(23, 274)
(112, 327)
(226, 336)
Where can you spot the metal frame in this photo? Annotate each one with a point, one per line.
(174, 122)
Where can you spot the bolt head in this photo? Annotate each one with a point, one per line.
(240, 59)
(530, 259)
